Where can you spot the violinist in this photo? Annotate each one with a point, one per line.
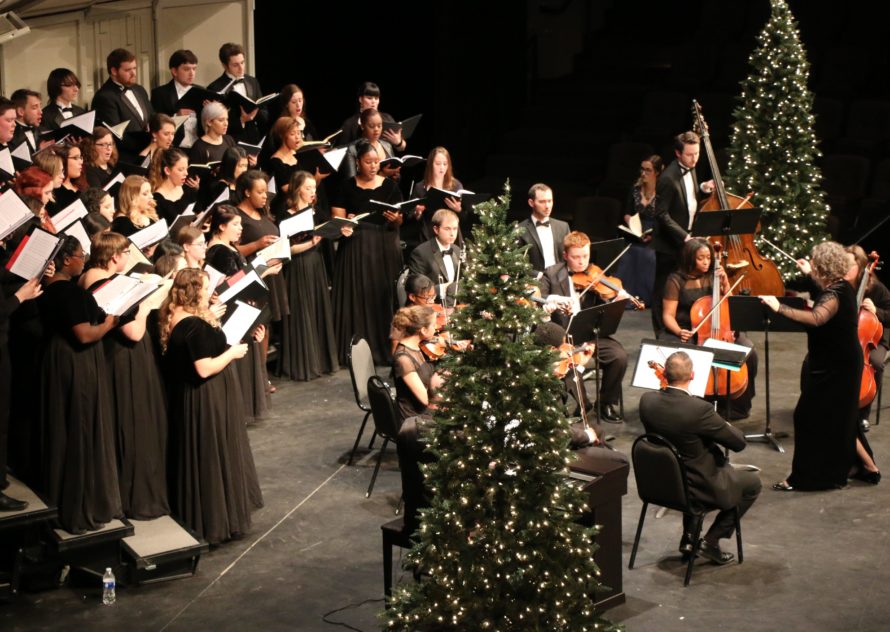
(563, 300)
(439, 258)
(416, 379)
(420, 291)
(876, 301)
(691, 281)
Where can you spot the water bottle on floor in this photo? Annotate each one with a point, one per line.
(108, 586)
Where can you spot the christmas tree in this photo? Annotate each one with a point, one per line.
(773, 148)
(499, 548)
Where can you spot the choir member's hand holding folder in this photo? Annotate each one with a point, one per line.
(245, 285)
(314, 159)
(195, 99)
(407, 126)
(121, 292)
(377, 209)
(34, 254)
(204, 170)
(435, 198)
(238, 320)
(272, 255)
(235, 99)
(634, 232)
(13, 213)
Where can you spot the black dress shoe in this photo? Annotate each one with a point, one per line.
(11, 504)
(610, 413)
(713, 553)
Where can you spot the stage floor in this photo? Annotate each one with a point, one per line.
(813, 561)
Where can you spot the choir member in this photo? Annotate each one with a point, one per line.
(371, 124)
(101, 158)
(287, 136)
(213, 481)
(7, 121)
(439, 174)
(99, 201)
(369, 99)
(368, 259)
(122, 99)
(183, 66)
(194, 246)
(245, 126)
(213, 144)
(77, 414)
(63, 88)
(37, 184)
(162, 129)
(309, 348)
(75, 178)
(135, 206)
(173, 191)
(292, 103)
(28, 116)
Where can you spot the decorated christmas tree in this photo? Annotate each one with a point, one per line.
(499, 548)
(774, 148)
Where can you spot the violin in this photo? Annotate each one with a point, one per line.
(438, 346)
(570, 357)
(607, 287)
(761, 274)
(658, 369)
(711, 320)
(870, 331)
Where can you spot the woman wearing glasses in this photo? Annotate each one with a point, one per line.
(101, 158)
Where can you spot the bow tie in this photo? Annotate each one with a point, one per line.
(27, 128)
(235, 82)
(448, 252)
(684, 171)
(545, 224)
(68, 109)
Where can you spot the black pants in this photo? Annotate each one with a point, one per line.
(613, 362)
(724, 524)
(877, 357)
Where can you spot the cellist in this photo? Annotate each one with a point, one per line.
(877, 301)
(692, 280)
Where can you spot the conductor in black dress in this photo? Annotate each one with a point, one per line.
(563, 300)
(543, 234)
(677, 196)
(183, 66)
(248, 127)
(439, 258)
(122, 99)
(699, 433)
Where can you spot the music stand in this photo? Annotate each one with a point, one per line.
(742, 221)
(748, 313)
(602, 320)
(659, 351)
(602, 253)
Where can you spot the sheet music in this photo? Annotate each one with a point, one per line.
(122, 292)
(13, 213)
(136, 257)
(117, 179)
(69, 214)
(239, 323)
(644, 376)
(30, 261)
(80, 233)
(299, 223)
(216, 277)
(151, 234)
(6, 161)
(243, 282)
(280, 249)
(189, 210)
(335, 157)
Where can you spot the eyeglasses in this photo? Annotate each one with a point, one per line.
(103, 145)
(80, 256)
(198, 244)
(69, 85)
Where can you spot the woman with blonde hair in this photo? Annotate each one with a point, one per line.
(213, 482)
(135, 206)
(826, 418)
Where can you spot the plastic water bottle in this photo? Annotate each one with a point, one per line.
(108, 585)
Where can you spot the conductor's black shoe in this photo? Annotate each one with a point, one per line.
(11, 504)
(610, 413)
(712, 552)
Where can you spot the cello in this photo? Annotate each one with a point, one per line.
(870, 331)
(710, 319)
(740, 253)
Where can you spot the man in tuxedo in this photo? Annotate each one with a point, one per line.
(698, 433)
(563, 300)
(62, 88)
(7, 131)
(245, 126)
(369, 99)
(543, 234)
(439, 258)
(183, 66)
(28, 115)
(677, 195)
(122, 99)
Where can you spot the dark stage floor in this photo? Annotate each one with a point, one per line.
(813, 561)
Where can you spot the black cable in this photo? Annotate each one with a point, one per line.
(325, 616)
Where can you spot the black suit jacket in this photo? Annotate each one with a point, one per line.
(429, 261)
(112, 107)
(698, 433)
(52, 115)
(254, 131)
(164, 99)
(529, 237)
(671, 210)
(19, 137)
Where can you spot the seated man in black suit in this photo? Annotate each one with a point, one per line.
(28, 115)
(183, 66)
(248, 127)
(122, 99)
(62, 88)
(439, 258)
(698, 433)
(541, 233)
(563, 300)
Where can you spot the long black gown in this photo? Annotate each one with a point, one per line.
(80, 469)
(826, 417)
(213, 481)
(252, 373)
(282, 172)
(140, 414)
(170, 209)
(365, 271)
(309, 346)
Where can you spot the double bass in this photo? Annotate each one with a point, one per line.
(710, 318)
(740, 254)
(870, 331)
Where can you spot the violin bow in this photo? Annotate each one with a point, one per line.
(606, 269)
(577, 380)
(719, 303)
(782, 252)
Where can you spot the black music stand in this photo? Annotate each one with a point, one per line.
(602, 253)
(724, 223)
(602, 320)
(748, 313)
